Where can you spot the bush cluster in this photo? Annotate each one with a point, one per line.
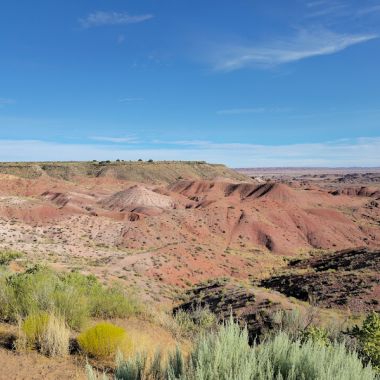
(226, 355)
(73, 296)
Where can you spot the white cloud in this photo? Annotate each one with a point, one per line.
(116, 140)
(101, 18)
(347, 152)
(304, 44)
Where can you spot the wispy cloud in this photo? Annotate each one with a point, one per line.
(116, 140)
(6, 102)
(305, 44)
(101, 18)
(327, 8)
(312, 4)
(348, 152)
(240, 111)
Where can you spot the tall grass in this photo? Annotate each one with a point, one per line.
(72, 295)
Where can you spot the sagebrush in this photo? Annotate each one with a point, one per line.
(226, 355)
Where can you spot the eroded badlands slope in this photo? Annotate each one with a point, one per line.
(162, 234)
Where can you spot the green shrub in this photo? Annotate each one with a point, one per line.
(30, 292)
(103, 340)
(103, 302)
(113, 303)
(7, 256)
(72, 295)
(316, 334)
(369, 337)
(73, 305)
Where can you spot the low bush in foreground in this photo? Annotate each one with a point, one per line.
(104, 340)
(226, 355)
(72, 295)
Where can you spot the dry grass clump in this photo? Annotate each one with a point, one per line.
(104, 340)
(45, 332)
(56, 338)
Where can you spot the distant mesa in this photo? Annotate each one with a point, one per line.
(158, 172)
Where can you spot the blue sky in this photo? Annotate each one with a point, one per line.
(246, 83)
